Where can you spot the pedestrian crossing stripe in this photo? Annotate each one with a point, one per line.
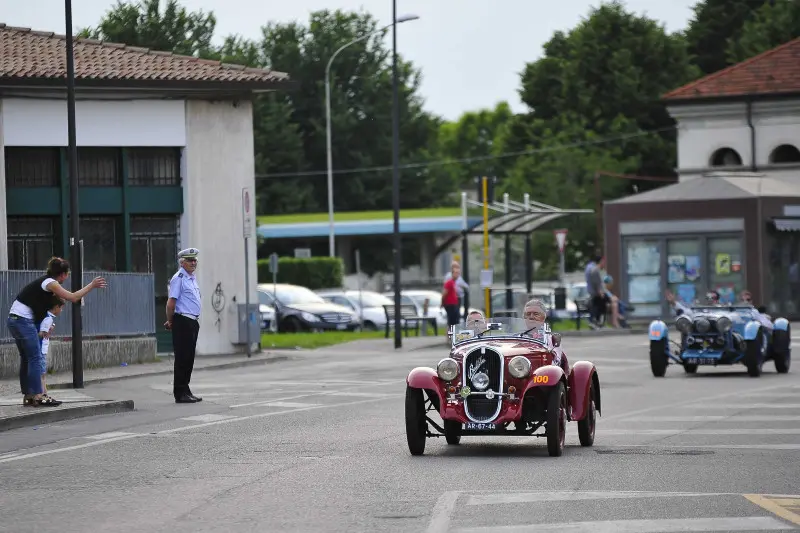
(786, 507)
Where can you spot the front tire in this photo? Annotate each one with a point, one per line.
(586, 427)
(690, 369)
(754, 354)
(658, 357)
(782, 350)
(452, 431)
(556, 430)
(415, 420)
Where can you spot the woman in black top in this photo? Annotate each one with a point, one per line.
(25, 316)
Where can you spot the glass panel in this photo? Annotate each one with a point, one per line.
(685, 278)
(725, 267)
(32, 167)
(784, 274)
(140, 255)
(98, 167)
(643, 271)
(154, 226)
(37, 253)
(99, 244)
(16, 255)
(164, 264)
(153, 166)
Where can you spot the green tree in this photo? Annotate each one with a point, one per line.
(714, 25)
(774, 24)
(143, 24)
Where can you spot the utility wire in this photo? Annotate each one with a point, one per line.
(476, 159)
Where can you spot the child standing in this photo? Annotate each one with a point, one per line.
(44, 341)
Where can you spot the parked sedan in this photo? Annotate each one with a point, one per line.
(300, 309)
(417, 297)
(367, 302)
(266, 312)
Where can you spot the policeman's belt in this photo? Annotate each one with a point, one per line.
(197, 318)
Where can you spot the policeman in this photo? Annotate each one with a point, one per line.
(183, 319)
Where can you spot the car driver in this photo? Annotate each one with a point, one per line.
(535, 315)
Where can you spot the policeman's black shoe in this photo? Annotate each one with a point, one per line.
(196, 398)
(185, 399)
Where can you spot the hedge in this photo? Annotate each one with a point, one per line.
(313, 272)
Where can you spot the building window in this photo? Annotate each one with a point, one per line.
(686, 278)
(154, 248)
(726, 157)
(784, 272)
(785, 153)
(30, 243)
(154, 166)
(99, 167)
(643, 276)
(32, 167)
(725, 272)
(99, 244)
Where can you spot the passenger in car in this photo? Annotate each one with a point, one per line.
(476, 322)
(535, 315)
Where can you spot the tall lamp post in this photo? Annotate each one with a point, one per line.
(331, 243)
(75, 257)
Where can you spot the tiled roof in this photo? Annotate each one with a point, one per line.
(716, 187)
(776, 71)
(35, 55)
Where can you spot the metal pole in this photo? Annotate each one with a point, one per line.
(528, 250)
(465, 250)
(331, 243)
(360, 299)
(398, 339)
(507, 253)
(486, 291)
(74, 241)
(247, 291)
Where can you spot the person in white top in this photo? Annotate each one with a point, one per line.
(26, 315)
(45, 329)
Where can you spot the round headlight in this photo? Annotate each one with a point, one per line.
(519, 367)
(684, 324)
(480, 380)
(447, 369)
(702, 325)
(724, 324)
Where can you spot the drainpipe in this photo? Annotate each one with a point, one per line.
(753, 165)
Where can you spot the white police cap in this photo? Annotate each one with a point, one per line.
(188, 253)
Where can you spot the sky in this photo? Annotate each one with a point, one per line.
(470, 53)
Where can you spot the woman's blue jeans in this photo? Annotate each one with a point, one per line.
(26, 335)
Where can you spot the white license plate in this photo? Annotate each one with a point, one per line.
(479, 426)
(701, 360)
(341, 326)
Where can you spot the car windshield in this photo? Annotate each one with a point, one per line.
(263, 298)
(495, 327)
(434, 299)
(296, 295)
(370, 299)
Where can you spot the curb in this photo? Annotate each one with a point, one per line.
(221, 366)
(42, 417)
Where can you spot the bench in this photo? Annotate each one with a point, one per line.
(409, 318)
(581, 307)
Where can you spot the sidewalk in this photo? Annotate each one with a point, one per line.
(80, 404)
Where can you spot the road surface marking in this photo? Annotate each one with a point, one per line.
(288, 405)
(555, 496)
(773, 506)
(755, 406)
(667, 525)
(109, 435)
(698, 431)
(352, 393)
(440, 515)
(760, 447)
(305, 395)
(210, 417)
(713, 418)
(9, 454)
(68, 448)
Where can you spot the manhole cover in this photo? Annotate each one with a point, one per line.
(653, 451)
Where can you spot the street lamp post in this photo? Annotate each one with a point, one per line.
(331, 242)
(398, 338)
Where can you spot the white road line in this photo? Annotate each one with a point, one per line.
(289, 405)
(556, 496)
(735, 406)
(9, 454)
(713, 418)
(758, 447)
(210, 417)
(184, 428)
(318, 393)
(667, 525)
(109, 435)
(440, 515)
(358, 394)
(736, 431)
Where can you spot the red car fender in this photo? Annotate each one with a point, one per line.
(581, 377)
(545, 376)
(426, 378)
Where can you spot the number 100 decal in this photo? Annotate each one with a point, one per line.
(541, 379)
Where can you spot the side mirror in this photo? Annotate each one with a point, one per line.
(556, 339)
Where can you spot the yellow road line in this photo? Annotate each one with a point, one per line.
(774, 507)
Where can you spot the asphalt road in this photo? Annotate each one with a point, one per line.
(317, 443)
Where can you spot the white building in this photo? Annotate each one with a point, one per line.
(165, 148)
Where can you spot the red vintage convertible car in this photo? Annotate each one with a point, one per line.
(500, 373)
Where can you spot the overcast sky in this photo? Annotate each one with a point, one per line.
(470, 51)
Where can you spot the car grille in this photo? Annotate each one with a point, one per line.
(336, 318)
(479, 408)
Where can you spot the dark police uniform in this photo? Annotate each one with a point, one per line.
(183, 288)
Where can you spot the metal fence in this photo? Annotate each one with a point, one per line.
(126, 307)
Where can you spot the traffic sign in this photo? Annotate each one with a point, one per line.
(561, 239)
(247, 213)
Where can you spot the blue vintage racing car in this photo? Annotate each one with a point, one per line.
(721, 335)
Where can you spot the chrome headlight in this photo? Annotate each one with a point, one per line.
(519, 367)
(724, 324)
(702, 325)
(480, 381)
(684, 324)
(447, 369)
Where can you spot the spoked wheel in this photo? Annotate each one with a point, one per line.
(754, 354)
(556, 430)
(416, 424)
(452, 431)
(586, 427)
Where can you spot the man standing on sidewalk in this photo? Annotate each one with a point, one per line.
(183, 319)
